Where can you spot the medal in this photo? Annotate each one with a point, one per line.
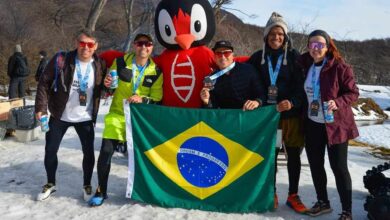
(208, 82)
(272, 94)
(83, 98)
(273, 76)
(314, 107)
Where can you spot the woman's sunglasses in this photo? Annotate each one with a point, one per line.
(316, 44)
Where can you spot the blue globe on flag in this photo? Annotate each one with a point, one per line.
(202, 161)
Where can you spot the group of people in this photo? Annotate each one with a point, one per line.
(299, 86)
(18, 71)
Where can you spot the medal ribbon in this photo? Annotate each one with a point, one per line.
(137, 81)
(273, 75)
(83, 80)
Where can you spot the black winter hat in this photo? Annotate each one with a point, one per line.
(320, 33)
(43, 53)
(223, 44)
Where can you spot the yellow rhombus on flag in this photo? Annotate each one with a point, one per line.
(239, 161)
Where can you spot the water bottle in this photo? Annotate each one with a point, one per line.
(114, 82)
(328, 115)
(44, 123)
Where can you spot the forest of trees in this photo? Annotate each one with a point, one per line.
(51, 25)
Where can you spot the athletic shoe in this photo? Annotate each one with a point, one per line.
(87, 192)
(47, 190)
(294, 202)
(345, 215)
(276, 201)
(319, 208)
(97, 200)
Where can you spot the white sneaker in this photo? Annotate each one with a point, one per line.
(87, 191)
(47, 190)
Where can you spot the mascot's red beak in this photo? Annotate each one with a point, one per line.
(185, 40)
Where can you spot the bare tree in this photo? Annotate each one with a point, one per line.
(217, 6)
(144, 22)
(94, 13)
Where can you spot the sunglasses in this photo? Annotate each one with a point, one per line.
(316, 44)
(225, 53)
(143, 43)
(86, 44)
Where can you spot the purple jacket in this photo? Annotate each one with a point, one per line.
(336, 83)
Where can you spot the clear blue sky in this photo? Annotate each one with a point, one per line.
(342, 19)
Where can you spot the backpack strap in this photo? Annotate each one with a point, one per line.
(120, 64)
(59, 64)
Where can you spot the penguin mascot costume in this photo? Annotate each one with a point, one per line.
(183, 28)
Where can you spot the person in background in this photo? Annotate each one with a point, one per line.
(42, 64)
(283, 80)
(17, 72)
(233, 85)
(329, 123)
(139, 81)
(72, 93)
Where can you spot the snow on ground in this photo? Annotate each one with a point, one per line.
(381, 94)
(22, 174)
(378, 135)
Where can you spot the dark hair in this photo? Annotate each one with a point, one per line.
(332, 49)
(43, 53)
(88, 33)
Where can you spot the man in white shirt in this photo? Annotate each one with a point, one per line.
(70, 88)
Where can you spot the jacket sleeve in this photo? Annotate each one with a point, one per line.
(11, 65)
(348, 91)
(258, 90)
(44, 86)
(298, 81)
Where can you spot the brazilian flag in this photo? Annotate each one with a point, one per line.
(215, 160)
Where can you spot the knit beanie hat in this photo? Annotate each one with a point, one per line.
(276, 20)
(18, 48)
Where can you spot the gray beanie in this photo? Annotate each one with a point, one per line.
(275, 20)
(18, 48)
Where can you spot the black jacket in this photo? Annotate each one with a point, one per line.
(56, 101)
(41, 67)
(290, 79)
(234, 88)
(14, 66)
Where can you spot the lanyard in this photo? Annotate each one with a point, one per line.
(83, 81)
(273, 75)
(315, 80)
(221, 72)
(137, 81)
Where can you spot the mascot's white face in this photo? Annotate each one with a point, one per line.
(184, 24)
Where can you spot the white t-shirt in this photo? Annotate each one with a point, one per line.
(309, 93)
(74, 112)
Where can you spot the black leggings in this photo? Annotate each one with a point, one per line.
(57, 130)
(293, 168)
(104, 162)
(316, 142)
